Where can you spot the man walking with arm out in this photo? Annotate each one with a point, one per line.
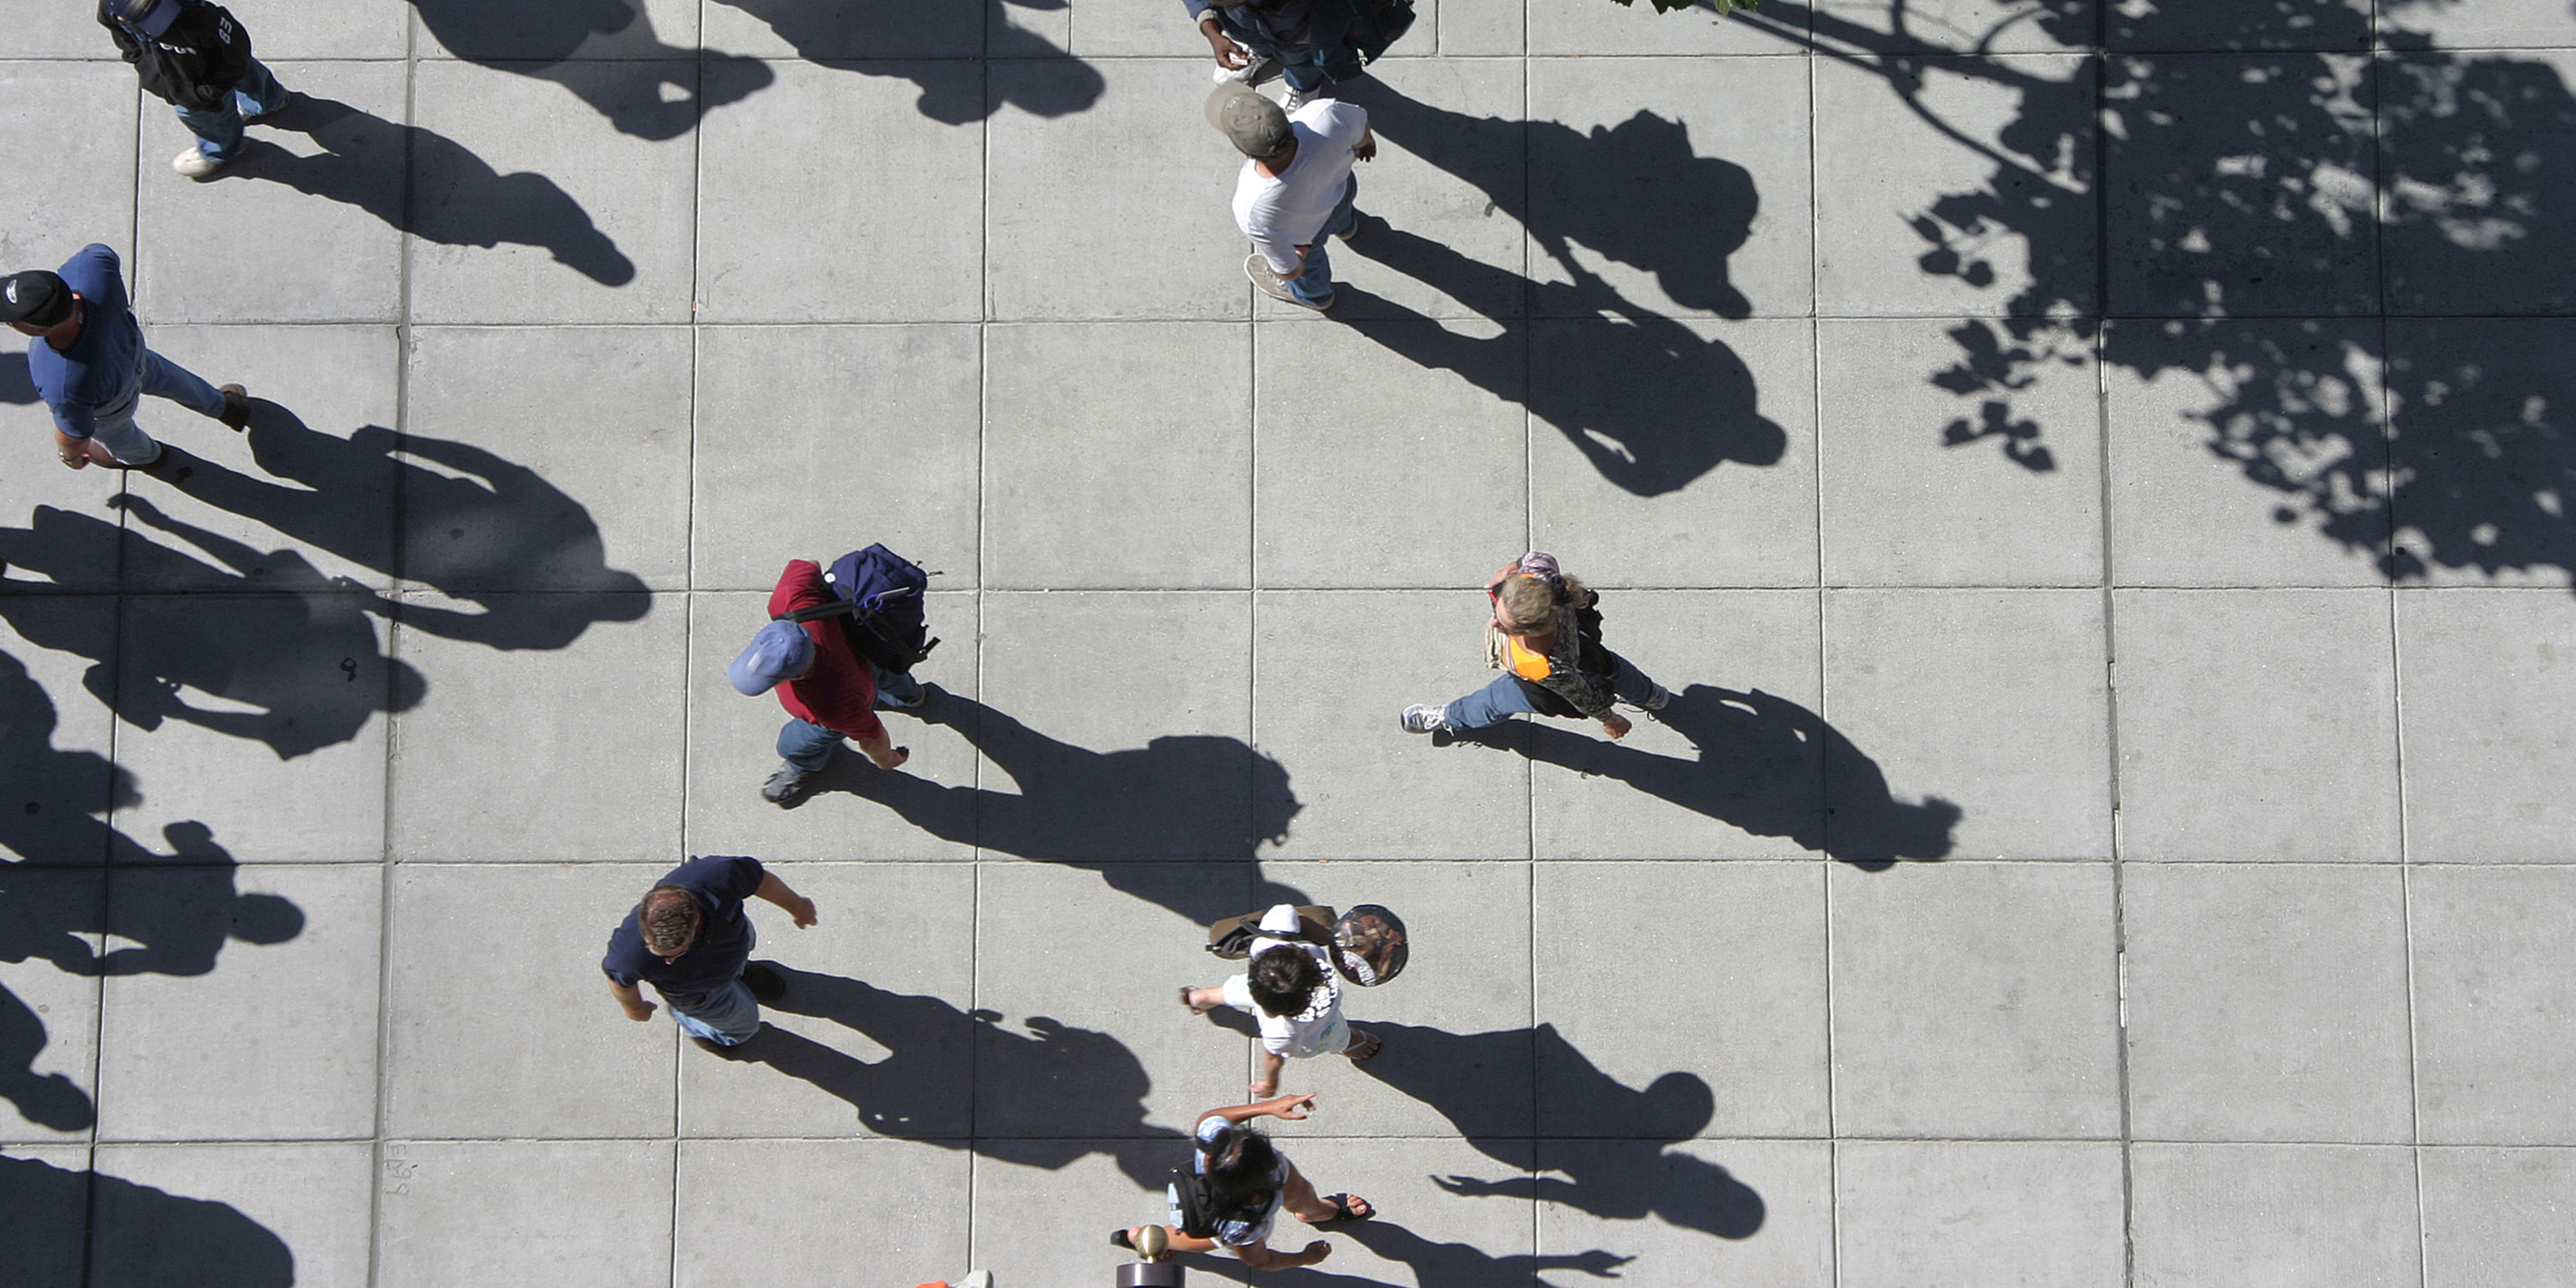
(690, 938)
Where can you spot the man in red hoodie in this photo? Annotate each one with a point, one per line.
(830, 690)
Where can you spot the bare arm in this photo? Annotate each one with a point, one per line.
(1268, 1082)
(883, 752)
(1292, 1107)
(776, 891)
(632, 1000)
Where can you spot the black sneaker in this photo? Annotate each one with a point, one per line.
(236, 412)
(766, 984)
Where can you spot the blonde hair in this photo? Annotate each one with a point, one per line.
(1530, 603)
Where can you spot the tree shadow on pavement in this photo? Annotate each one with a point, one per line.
(1766, 765)
(430, 186)
(1181, 796)
(477, 528)
(70, 1227)
(226, 644)
(1061, 1088)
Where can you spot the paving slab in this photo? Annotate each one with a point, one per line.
(578, 223)
(323, 182)
(1452, 169)
(1119, 468)
(874, 1036)
(529, 526)
(780, 408)
(2445, 252)
(855, 135)
(612, 29)
(840, 29)
(1733, 768)
(1564, 31)
(1159, 241)
(1469, 27)
(1026, 1216)
(49, 1003)
(2483, 457)
(2485, 725)
(1730, 1032)
(553, 777)
(1903, 230)
(1943, 689)
(256, 1213)
(2307, 25)
(1978, 1212)
(1461, 1055)
(1347, 429)
(2505, 24)
(2245, 453)
(202, 947)
(49, 1195)
(75, 171)
(561, 1212)
(2490, 993)
(1725, 1211)
(1950, 26)
(61, 781)
(569, 1064)
(852, 1203)
(1975, 1001)
(2219, 690)
(2266, 1003)
(925, 810)
(1362, 786)
(2495, 1215)
(2301, 1216)
(1923, 484)
(1683, 452)
(1149, 759)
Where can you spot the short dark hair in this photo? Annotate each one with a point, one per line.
(669, 918)
(1241, 1167)
(1283, 980)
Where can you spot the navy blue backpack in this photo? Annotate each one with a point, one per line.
(878, 597)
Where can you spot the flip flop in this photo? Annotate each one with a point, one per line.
(1118, 1238)
(1342, 1208)
(1373, 1043)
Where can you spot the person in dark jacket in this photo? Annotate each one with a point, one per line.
(1545, 638)
(1308, 42)
(88, 362)
(195, 56)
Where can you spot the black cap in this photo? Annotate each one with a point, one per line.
(132, 12)
(35, 297)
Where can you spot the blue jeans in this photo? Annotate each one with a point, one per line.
(1315, 284)
(114, 427)
(808, 746)
(1504, 697)
(219, 129)
(1302, 66)
(727, 1017)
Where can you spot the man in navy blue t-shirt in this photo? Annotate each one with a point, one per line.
(688, 937)
(89, 362)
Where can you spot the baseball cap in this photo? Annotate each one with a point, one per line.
(151, 17)
(1256, 126)
(778, 651)
(35, 297)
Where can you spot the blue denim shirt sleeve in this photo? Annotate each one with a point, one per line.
(74, 420)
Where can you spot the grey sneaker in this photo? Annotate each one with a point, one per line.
(1422, 717)
(1658, 700)
(1298, 98)
(1258, 270)
(783, 784)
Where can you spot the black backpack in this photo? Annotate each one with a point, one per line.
(1199, 1210)
(877, 594)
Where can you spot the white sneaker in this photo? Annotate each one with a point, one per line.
(975, 1279)
(1422, 717)
(195, 164)
(1298, 98)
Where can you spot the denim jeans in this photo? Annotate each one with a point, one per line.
(1314, 285)
(727, 1017)
(1504, 696)
(1302, 66)
(219, 129)
(808, 746)
(114, 427)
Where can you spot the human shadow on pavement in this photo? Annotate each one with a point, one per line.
(923, 42)
(1060, 1087)
(1766, 765)
(16, 386)
(289, 652)
(1648, 401)
(428, 185)
(624, 71)
(1434, 1264)
(1181, 796)
(479, 528)
(71, 1227)
(1488, 1086)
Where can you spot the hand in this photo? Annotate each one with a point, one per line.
(1295, 1106)
(639, 1010)
(802, 909)
(893, 759)
(1265, 1089)
(1616, 724)
(77, 458)
(1229, 55)
(1366, 148)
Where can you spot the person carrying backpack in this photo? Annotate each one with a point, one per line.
(831, 691)
(1289, 986)
(1237, 1181)
(195, 56)
(1545, 638)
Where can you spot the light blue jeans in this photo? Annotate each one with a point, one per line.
(1315, 284)
(808, 746)
(1504, 697)
(726, 1017)
(219, 129)
(113, 426)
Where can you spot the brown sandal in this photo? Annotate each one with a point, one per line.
(1367, 1046)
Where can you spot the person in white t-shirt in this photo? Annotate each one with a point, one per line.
(1296, 187)
(1289, 986)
